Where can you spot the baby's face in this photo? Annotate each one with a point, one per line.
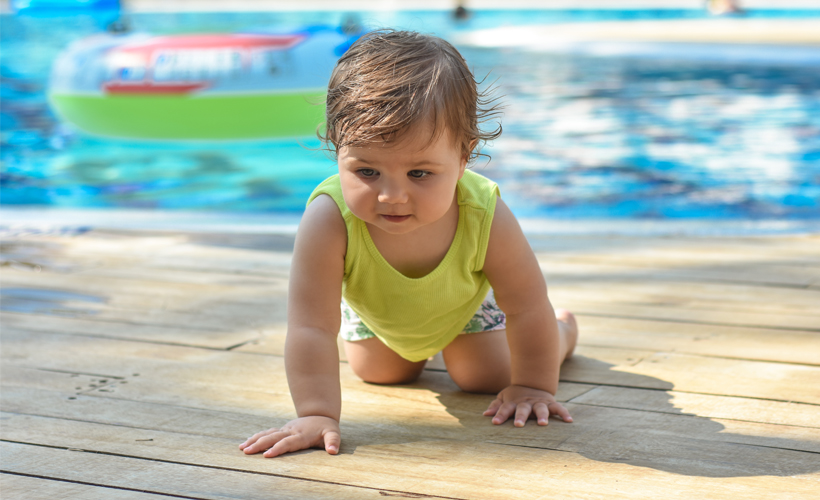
(404, 184)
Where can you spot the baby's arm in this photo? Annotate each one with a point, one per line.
(532, 330)
(311, 352)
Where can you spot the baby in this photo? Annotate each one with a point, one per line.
(422, 254)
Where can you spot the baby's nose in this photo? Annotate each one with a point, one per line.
(392, 192)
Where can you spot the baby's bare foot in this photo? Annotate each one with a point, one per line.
(568, 327)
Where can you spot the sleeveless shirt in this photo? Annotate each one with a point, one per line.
(418, 317)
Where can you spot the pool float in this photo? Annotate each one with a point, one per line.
(200, 86)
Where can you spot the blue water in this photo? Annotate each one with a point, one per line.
(735, 137)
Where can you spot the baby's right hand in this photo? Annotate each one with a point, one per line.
(299, 434)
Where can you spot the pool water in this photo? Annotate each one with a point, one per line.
(585, 137)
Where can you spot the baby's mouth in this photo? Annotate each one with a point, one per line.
(395, 218)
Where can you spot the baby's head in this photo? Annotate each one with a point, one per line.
(391, 81)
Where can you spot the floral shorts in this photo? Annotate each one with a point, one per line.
(488, 318)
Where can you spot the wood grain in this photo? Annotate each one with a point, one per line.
(455, 468)
(695, 376)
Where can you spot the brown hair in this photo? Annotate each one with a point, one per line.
(391, 80)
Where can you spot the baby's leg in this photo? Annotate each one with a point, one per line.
(480, 362)
(376, 363)
(568, 331)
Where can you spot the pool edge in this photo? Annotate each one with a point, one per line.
(15, 220)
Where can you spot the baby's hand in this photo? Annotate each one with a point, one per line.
(523, 402)
(299, 434)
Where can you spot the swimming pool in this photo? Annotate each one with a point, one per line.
(585, 137)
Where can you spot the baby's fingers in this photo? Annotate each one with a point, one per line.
(504, 412)
(332, 442)
(265, 442)
(542, 413)
(558, 409)
(493, 408)
(522, 413)
(286, 445)
(255, 439)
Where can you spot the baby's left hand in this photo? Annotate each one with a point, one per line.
(523, 402)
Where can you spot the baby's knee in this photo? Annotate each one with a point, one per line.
(481, 387)
(375, 363)
(480, 381)
(387, 375)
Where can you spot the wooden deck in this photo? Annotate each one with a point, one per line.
(134, 363)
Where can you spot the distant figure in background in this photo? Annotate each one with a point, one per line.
(461, 13)
(119, 26)
(722, 7)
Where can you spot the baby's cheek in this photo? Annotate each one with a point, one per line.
(356, 201)
(360, 210)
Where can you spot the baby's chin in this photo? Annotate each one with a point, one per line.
(397, 228)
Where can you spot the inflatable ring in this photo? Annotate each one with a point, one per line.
(202, 86)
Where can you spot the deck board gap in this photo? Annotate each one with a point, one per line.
(694, 322)
(136, 339)
(240, 344)
(230, 469)
(518, 445)
(95, 422)
(696, 416)
(773, 447)
(686, 392)
(72, 372)
(702, 355)
(120, 322)
(98, 485)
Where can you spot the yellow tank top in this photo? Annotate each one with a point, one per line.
(418, 317)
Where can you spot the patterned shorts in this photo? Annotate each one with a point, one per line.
(488, 318)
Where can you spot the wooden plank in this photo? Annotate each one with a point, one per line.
(211, 276)
(460, 469)
(124, 477)
(772, 274)
(701, 304)
(800, 249)
(591, 365)
(147, 288)
(436, 408)
(455, 419)
(178, 253)
(713, 407)
(434, 396)
(753, 300)
(760, 344)
(134, 330)
(692, 373)
(96, 253)
(83, 396)
(627, 250)
(15, 487)
(720, 296)
(184, 305)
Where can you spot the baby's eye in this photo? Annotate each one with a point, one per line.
(367, 172)
(418, 174)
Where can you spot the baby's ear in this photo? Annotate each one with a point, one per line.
(470, 149)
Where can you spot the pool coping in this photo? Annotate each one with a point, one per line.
(38, 220)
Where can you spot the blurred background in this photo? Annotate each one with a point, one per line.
(614, 110)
